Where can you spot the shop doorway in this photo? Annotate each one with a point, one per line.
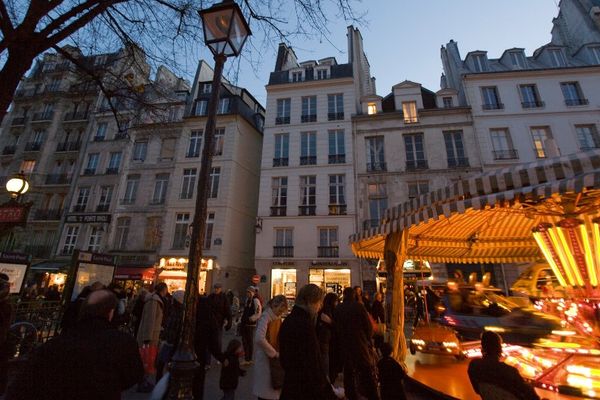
(331, 280)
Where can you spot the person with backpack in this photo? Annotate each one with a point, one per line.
(251, 313)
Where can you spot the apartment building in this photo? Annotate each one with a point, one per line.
(307, 206)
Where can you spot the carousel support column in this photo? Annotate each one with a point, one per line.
(395, 255)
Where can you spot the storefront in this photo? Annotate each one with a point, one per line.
(331, 280)
(283, 281)
(45, 274)
(173, 271)
(134, 277)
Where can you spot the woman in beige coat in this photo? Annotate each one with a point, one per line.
(266, 346)
(152, 316)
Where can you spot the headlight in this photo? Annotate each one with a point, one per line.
(418, 342)
(450, 344)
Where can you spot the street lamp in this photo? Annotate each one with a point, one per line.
(17, 186)
(225, 32)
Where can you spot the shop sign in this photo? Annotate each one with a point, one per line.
(88, 219)
(289, 263)
(13, 214)
(330, 263)
(14, 265)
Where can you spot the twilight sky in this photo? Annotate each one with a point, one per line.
(403, 38)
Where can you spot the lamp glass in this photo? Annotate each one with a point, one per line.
(225, 29)
(17, 186)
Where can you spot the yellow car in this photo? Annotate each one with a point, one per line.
(435, 339)
(537, 282)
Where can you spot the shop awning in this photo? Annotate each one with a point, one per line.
(50, 266)
(489, 218)
(134, 273)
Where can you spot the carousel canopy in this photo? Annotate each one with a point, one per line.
(490, 218)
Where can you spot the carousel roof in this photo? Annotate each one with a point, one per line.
(489, 218)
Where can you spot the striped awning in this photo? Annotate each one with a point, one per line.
(488, 218)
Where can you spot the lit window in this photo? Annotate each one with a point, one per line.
(409, 109)
(27, 166)
(371, 108)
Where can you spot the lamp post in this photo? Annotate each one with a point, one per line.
(225, 32)
(17, 186)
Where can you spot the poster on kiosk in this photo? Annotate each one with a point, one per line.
(90, 268)
(15, 266)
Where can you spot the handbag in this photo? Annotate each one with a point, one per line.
(148, 355)
(277, 373)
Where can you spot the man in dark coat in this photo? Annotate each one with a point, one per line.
(91, 361)
(220, 311)
(300, 356)
(354, 332)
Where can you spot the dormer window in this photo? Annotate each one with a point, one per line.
(595, 54)
(409, 110)
(297, 76)
(480, 62)
(557, 58)
(517, 59)
(321, 73)
(371, 108)
(448, 103)
(206, 88)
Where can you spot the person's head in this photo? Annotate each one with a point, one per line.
(378, 296)
(161, 289)
(250, 291)
(278, 304)
(97, 286)
(217, 288)
(491, 344)
(348, 294)
(99, 304)
(329, 303)
(178, 296)
(234, 347)
(386, 349)
(310, 298)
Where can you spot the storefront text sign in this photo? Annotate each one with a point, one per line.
(89, 218)
(12, 214)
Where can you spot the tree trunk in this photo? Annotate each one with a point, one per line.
(395, 255)
(17, 64)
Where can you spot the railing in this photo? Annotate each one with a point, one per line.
(33, 146)
(18, 121)
(99, 138)
(532, 104)
(34, 323)
(193, 154)
(280, 162)
(509, 154)
(43, 116)
(307, 210)
(411, 119)
(282, 120)
(53, 89)
(416, 164)
(68, 146)
(458, 162)
(80, 116)
(278, 211)
(25, 93)
(335, 116)
(102, 207)
(337, 209)
(576, 102)
(47, 215)
(308, 160)
(57, 179)
(38, 251)
(112, 171)
(79, 208)
(328, 251)
(283, 251)
(337, 158)
(376, 166)
(9, 150)
(308, 118)
(89, 171)
(121, 135)
(493, 106)
(370, 223)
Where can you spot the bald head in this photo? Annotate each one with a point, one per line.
(99, 304)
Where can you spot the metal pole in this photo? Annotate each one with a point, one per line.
(184, 361)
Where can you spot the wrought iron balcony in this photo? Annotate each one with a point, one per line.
(308, 118)
(18, 121)
(78, 116)
(576, 102)
(9, 150)
(458, 162)
(47, 215)
(33, 146)
(328, 251)
(376, 166)
(337, 158)
(79, 208)
(280, 162)
(307, 210)
(112, 171)
(121, 135)
(532, 104)
(99, 138)
(89, 171)
(337, 209)
(68, 146)
(336, 116)
(278, 211)
(509, 154)
(413, 165)
(38, 251)
(282, 120)
(493, 106)
(43, 116)
(193, 153)
(283, 251)
(57, 179)
(102, 207)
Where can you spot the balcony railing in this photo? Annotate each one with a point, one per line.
(282, 120)
(18, 121)
(532, 104)
(102, 207)
(43, 116)
(47, 215)
(414, 165)
(68, 146)
(278, 211)
(193, 154)
(308, 160)
(370, 223)
(308, 118)
(24, 93)
(328, 251)
(79, 116)
(38, 251)
(458, 162)
(493, 106)
(99, 138)
(307, 210)
(33, 146)
(337, 209)
(57, 179)
(89, 171)
(9, 150)
(576, 102)
(280, 162)
(336, 116)
(121, 135)
(337, 158)
(112, 171)
(510, 154)
(79, 208)
(376, 166)
(283, 251)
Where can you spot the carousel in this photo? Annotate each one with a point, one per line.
(543, 213)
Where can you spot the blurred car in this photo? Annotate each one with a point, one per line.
(537, 282)
(434, 338)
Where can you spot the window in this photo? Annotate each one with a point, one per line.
(152, 233)
(139, 151)
(284, 242)
(337, 148)
(283, 111)
(161, 183)
(281, 156)
(375, 154)
(335, 107)
(529, 96)
(371, 108)
(167, 149)
(309, 109)
(206, 88)
(27, 166)
(572, 94)
(491, 100)
(297, 76)
(328, 242)
(279, 196)
(448, 102)
(409, 110)
(95, 239)
(101, 131)
(322, 73)
(213, 183)
(415, 153)
(308, 148)
(182, 222)
(377, 204)
(337, 190)
(308, 195)
(189, 181)
(557, 58)
(131, 188)
(92, 164)
(479, 62)
(517, 59)
(219, 141)
(123, 224)
(539, 136)
(38, 136)
(455, 150)
(502, 144)
(417, 188)
(210, 223)
(82, 199)
(223, 106)
(114, 163)
(587, 136)
(70, 240)
(595, 54)
(105, 198)
(201, 106)
(194, 145)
